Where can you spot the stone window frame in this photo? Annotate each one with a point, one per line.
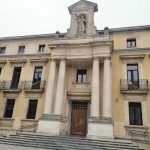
(131, 41)
(38, 63)
(17, 64)
(4, 106)
(41, 47)
(87, 76)
(132, 59)
(20, 48)
(2, 64)
(139, 99)
(27, 106)
(2, 50)
(32, 71)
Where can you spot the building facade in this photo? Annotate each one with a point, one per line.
(83, 82)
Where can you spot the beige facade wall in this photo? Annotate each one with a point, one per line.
(119, 102)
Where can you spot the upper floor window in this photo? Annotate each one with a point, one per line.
(135, 114)
(131, 43)
(133, 76)
(15, 78)
(21, 49)
(9, 108)
(37, 77)
(41, 48)
(2, 50)
(0, 70)
(81, 75)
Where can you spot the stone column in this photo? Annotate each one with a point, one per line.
(60, 88)
(95, 102)
(50, 88)
(107, 89)
(100, 127)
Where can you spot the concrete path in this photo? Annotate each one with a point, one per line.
(10, 147)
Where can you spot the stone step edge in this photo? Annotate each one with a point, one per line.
(43, 144)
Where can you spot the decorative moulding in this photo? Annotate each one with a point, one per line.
(34, 61)
(21, 61)
(141, 56)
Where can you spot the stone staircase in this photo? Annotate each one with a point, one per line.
(65, 142)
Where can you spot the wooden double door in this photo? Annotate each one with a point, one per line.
(79, 118)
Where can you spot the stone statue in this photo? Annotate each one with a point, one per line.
(81, 24)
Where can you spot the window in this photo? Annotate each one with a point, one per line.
(133, 76)
(37, 77)
(15, 78)
(131, 42)
(2, 50)
(21, 49)
(0, 70)
(41, 48)
(81, 75)
(32, 106)
(135, 113)
(9, 108)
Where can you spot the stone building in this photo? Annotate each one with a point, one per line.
(83, 82)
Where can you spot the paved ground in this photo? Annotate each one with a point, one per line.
(10, 147)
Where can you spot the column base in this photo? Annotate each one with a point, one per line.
(100, 128)
(50, 124)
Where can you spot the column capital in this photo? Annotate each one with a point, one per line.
(53, 59)
(106, 58)
(63, 59)
(96, 58)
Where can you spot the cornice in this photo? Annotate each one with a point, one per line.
(20, 61)
(25, 55)
(132, 50)
(41, 60)
(140, 56)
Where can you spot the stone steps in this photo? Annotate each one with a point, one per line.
(66, 142)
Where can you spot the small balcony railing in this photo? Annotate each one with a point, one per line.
(141, 85)
(9, 85)
(30, 85)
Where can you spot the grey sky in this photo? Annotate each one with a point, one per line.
(26, 17)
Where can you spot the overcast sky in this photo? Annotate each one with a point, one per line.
(28, 17)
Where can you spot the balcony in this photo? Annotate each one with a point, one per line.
(134, 87)
(9, 86)
(1, 85)
(31, 86)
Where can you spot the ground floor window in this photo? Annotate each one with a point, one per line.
(32, 107)
(135, 113)
(9, 107)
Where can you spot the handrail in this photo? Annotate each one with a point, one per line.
(146, 134)
(141, 84)
(29, 126)
(29, 84)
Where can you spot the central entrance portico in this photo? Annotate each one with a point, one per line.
(81, 48)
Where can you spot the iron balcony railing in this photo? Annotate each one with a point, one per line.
(30, 85)
(1, 85)
(126, 85)
(9, 85)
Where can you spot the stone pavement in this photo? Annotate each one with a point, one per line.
(10, 147)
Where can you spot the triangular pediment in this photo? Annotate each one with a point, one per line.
(83, 5)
